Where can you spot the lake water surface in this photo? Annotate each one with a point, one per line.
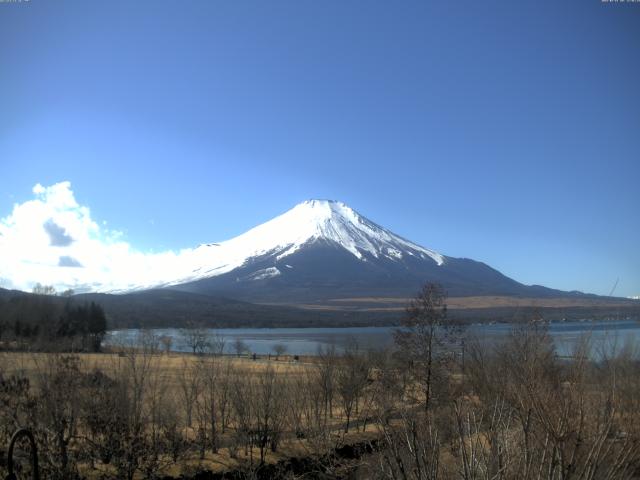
(306, 341)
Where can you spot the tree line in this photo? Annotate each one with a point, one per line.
(44, 321)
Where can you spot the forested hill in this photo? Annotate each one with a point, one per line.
(49, 322)
(52, 316)
(172, 308)
(35, 314)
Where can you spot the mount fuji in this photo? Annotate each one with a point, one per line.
(323, 249)
(323, 264)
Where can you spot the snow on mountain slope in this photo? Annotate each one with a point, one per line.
(318, 250)
(321, 250)
(284, 235)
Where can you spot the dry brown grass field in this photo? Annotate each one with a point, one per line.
(398, 304)
(170, 365)
(512, 411)
(166, 377)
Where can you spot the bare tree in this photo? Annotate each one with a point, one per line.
(279, 349)
(211, 375)
(223, 394)
(423, 330)
(16, 401)
(538, 417)
(239, 346)
(216, 344)
(196, 338)
(167, 342)
(59, 403)
(326, 371)
(189, 385)
(133, 373)
(352, 375)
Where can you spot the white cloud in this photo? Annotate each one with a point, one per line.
(42, 238)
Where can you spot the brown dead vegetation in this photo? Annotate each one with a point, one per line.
(429, 410)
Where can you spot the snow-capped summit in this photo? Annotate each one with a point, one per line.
(309, 222)
(323, 249)
(334, 221)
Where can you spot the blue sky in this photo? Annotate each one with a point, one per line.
(507, 132)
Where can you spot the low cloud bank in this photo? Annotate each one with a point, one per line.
(53, 240)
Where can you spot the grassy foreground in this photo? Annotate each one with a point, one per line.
(511, 411)
(194, 412)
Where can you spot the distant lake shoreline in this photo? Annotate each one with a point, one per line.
(306, 341)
